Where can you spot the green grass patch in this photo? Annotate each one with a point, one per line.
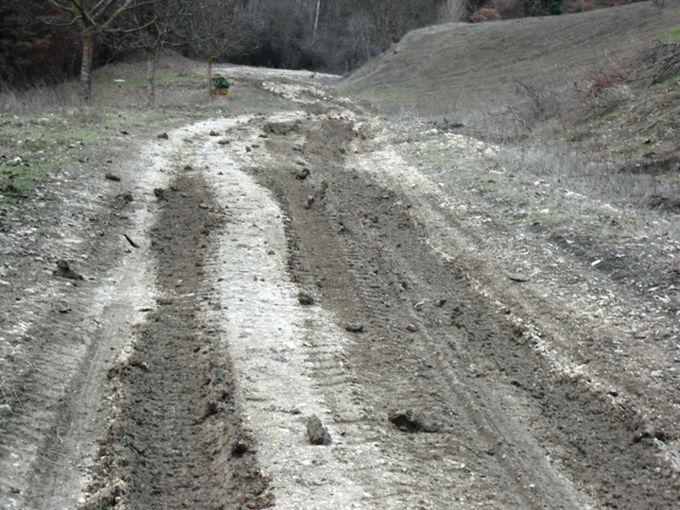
(389, 95)
(670, 36)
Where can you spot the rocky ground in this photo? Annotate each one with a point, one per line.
(293, 302)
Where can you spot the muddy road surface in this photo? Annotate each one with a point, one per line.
(282, 265)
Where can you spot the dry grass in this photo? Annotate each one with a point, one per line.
(562, 165)
(39, 99)
(462, 70)
(178, 81)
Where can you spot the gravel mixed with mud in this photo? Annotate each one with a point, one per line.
(294, 322)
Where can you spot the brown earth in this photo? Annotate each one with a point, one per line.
(407, 301)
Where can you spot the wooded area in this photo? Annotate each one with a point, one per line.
(44, 41)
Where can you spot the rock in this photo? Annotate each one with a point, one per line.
(214, 133)
(248, 149)
(112, 177)
(163, 136)
(224, 142)
(408, 420)
(310, 202)
(517, 277)
(354, 327)
(316, 432)
(647, 430)
(164, 301)
(188, 167)
(64, 270)
(159, 193)
(305, 299)
(301, 174)
(412, 328)
(440, 303)
(16, 161)
(126, 197)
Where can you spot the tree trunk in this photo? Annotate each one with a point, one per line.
(151, 60)
(316, 19)
(210, 85)
(86, 66)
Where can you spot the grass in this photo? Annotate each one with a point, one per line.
(670, 36)
(471, 70)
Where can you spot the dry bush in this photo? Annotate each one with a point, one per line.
(575, 171)
(508, 9)
(36, 99)
(452, 10)
(658, 62)
(485, 14)
(573, 6)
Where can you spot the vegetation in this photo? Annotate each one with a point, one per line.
(43, 41)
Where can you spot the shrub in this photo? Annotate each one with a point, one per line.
(485, 14)
(510, 8)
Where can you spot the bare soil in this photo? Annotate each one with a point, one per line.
(304, 261)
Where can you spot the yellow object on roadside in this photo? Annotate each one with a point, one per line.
(223, 92)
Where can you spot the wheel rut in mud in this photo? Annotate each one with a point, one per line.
(175, 440)
(427, 340)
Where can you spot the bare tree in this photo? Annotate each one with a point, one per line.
(213, 28)
(316, 18)
(157, 22)
(93, 18)
(452, 10)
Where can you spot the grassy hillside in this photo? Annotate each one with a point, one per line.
(472, 73)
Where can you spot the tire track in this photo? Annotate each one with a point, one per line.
(175, 440)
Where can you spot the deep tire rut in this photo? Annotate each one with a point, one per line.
(526, 427)
(177, 441)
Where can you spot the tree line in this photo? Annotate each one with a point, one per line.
(42, 41)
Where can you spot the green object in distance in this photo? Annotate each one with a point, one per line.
(221, 82)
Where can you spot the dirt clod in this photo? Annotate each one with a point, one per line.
(305, 298)
(239, 449)
(64, 270)
(159, 193)
(316, 432)
(408, 420)
(354, 327)
(301, 174)
(310, 202)
(281, 128)
(125, 197)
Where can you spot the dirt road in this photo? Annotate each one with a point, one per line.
(294, 263)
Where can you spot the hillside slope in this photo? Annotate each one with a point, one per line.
(470, 72)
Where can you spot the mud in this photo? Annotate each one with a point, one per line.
(368, 259)
(176, 440)
(282, 327)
